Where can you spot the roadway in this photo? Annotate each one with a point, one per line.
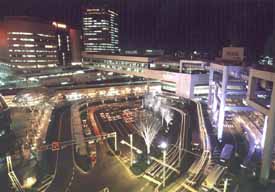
(108, 172)
(62, 159)
(196, 172)
(112, 123)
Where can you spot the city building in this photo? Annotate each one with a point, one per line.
(28, 43)
(166, 70)
(100, 30)
(62, 33)
(227, 92)
(5, 71)
(261, 96)
(75, 46)
(228, 81)
(266, 60)
(154, 52)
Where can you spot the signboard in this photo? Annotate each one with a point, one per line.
(168, 86)
(233, 53)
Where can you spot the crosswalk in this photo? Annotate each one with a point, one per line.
(45, 183)
(14, 180)
(224, 181)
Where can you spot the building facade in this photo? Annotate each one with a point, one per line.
(62, 33)
(29, 43)
(265, 105)
(100, 30)
(75, 46)
(183, 84)
(227, 92)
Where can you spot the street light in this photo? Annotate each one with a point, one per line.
(181, 137)
(163, 146)
(131, 146)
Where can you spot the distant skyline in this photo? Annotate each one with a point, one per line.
(169, 24)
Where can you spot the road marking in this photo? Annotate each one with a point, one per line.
(142, 189)
(106, 189)
(151, 179)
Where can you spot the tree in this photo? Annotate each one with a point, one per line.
(147, 126)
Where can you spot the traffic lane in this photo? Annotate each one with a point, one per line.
(4, 181)
(248, 140)
(109, 172)
(232, 136)
(65, 166)
(53, 133)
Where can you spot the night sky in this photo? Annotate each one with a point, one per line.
(205, 25)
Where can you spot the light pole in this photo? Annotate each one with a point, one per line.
(87, 109)
(181, 135)
(115, 141)
(163, 146)
(225, 185)
(164, 170)
(131, 147)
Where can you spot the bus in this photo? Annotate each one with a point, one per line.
(226, 153)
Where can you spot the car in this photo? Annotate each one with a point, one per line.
(227, 153)
(93, 154)
(87, 132)
(102, 115)
(84, 121)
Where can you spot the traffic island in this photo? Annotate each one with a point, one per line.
(139, 168)
(80, 152)
(83, 162)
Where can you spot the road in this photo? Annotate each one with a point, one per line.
(108, 172)
(65, 166)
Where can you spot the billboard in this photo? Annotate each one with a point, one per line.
(233, 53)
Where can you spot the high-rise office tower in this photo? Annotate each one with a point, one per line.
(100, 30)
(62, 33)
(75, 36)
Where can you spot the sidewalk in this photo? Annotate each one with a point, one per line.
(30, 129)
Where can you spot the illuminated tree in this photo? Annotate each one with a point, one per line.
(147, 126)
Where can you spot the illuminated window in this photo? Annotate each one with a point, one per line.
(49, 46)
(28, 45)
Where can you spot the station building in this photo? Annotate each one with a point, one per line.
(166, 70)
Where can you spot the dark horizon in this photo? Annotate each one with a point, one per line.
(171, 24)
